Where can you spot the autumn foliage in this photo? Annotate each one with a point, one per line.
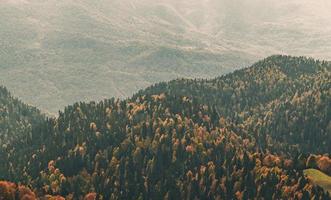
(10, 191)
(324, 164)
(246, 135)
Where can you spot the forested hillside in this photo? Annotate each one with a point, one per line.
(286, 97)
(246, 135)
(19, 127)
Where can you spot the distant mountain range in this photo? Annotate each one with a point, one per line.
(263, 132)
(56, 52)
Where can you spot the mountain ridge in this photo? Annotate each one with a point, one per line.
(56, 49)
(248, 134)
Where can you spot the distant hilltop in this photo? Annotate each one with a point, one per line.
(262, 132)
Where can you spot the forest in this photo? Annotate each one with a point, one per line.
(250, 134)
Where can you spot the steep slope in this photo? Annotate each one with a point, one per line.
(205, 139)
(20, 126)
(17, 118)
(287, 96)
(61, 50)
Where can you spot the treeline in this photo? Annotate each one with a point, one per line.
(246, 135)
(285, 97)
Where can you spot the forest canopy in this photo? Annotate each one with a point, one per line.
(246, 135)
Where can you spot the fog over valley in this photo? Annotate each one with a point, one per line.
(56, 52)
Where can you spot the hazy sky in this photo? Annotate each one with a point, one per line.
(56, 52)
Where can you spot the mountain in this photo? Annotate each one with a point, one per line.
(19, 126)
(279, 94)
(250, 134)
(56, 52)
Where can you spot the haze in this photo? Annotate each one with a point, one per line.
(56, 52)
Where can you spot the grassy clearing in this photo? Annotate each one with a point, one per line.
(319, 178)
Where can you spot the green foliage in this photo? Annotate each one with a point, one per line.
(282, 96)
(245, 135)
(20, 132)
